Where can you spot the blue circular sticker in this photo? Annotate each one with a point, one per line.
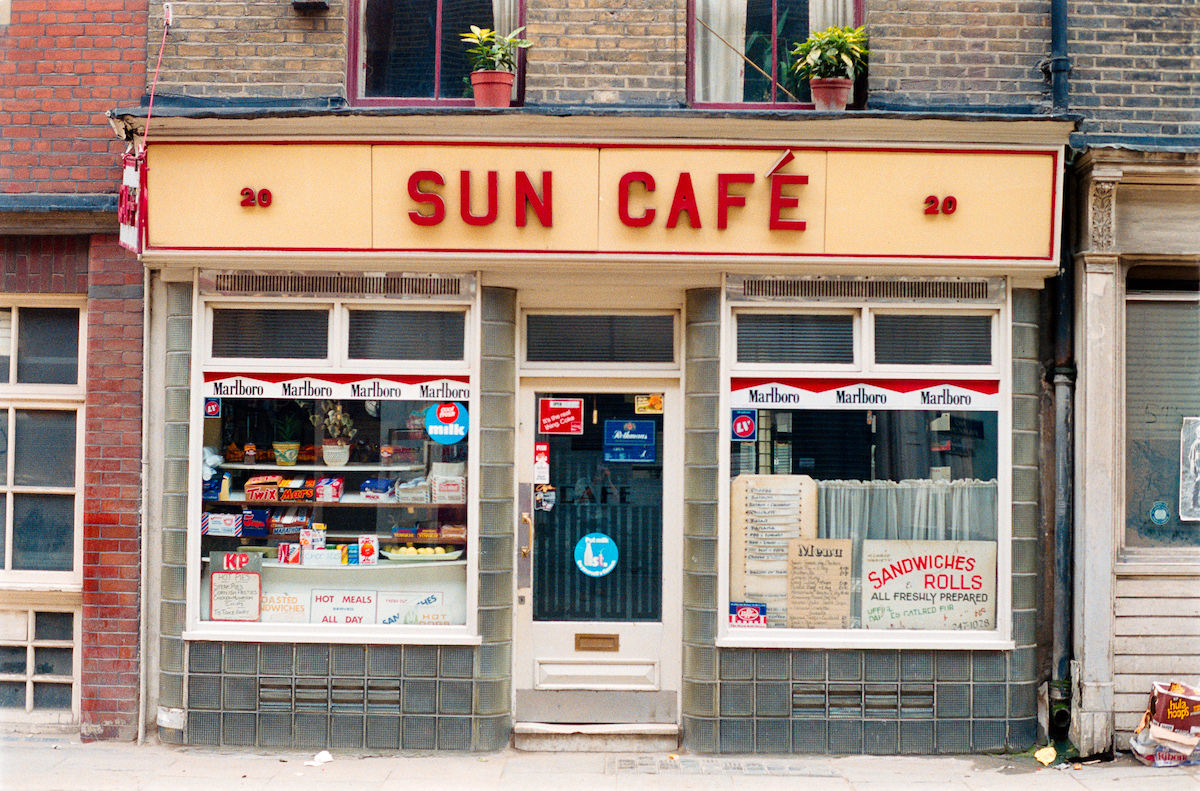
(596, 554)
(1159, 513)
(446, 423)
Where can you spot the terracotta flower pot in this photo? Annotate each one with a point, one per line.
(492, 88)
(831, 93)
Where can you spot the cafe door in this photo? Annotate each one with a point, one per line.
(599, 544)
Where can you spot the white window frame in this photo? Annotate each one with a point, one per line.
(336, 361)
(619, 369)
(991, 370)
(1000, 370)
(1148, 560)
(15, 397)
(29, 714)
(858, 345)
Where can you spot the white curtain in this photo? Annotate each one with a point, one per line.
(922, 510)
(828, 13)
(504, 16)
(720, 69)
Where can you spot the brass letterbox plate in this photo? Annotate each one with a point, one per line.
(597, 642)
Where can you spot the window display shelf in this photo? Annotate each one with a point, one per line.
(347, 500)
(349, 534)
(382, 563)
(352, 467)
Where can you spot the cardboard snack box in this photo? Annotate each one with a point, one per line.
(220, 524)
(292, 489)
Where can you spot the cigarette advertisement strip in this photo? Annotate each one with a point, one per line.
(961, 396)
(337, 386)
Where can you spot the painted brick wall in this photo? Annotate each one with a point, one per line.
(112, 492)
(1136, 67)
(63, 63)
(43, 264)
(227, 48)
(983, 53)
(589, 52)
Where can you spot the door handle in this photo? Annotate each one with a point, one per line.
(528, 522)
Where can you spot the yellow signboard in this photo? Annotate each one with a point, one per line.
(565, 198)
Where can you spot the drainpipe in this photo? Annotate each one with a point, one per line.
(1064, 471)
(1064, 399)
(144, 571)
(1060, 64)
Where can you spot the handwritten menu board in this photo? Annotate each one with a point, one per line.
(929, 584)
(766, 512)
(818, 577)
(236, 596)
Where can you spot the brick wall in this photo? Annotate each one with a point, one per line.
(227, 48)
(112, 492)
(930, 53)
(632, 52)
(43, 264)
(1136, 67)
(63, 63)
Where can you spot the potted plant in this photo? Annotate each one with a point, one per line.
(338, 430)
(493, 64)
(830, 59)
(287, 438)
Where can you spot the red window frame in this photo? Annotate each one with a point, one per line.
(353, 64)
(860, 13)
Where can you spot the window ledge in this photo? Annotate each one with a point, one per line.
(1173, 562)
(831, 639)
(315, 633)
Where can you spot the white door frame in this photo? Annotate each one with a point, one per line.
(648, 660)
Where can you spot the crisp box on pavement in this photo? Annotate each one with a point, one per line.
(1170, 729)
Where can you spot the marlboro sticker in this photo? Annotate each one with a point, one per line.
(541, 462)
(560, 415)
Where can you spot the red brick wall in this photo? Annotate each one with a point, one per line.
(62, 64)
(43, 264)
(112, 492)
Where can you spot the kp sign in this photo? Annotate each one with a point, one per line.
(131, 203)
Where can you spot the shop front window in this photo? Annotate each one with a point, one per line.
(411, 50)
(742, 49)
(1162, 408)
(864, 476)
(339, 498)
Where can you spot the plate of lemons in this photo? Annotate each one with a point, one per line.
(424, 554)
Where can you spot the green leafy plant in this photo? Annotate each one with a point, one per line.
(287, 427)
(492, 51)
(833, 52)
(758, 54)
(334, 421)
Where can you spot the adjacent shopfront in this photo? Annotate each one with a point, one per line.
(725, 436)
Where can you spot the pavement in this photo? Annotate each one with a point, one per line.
(63, 763)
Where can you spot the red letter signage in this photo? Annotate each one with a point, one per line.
(779, 202)
(528, 199)
(684, 201)
(464, 199)
(725, 199)
(636, 177)
(432, 198)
